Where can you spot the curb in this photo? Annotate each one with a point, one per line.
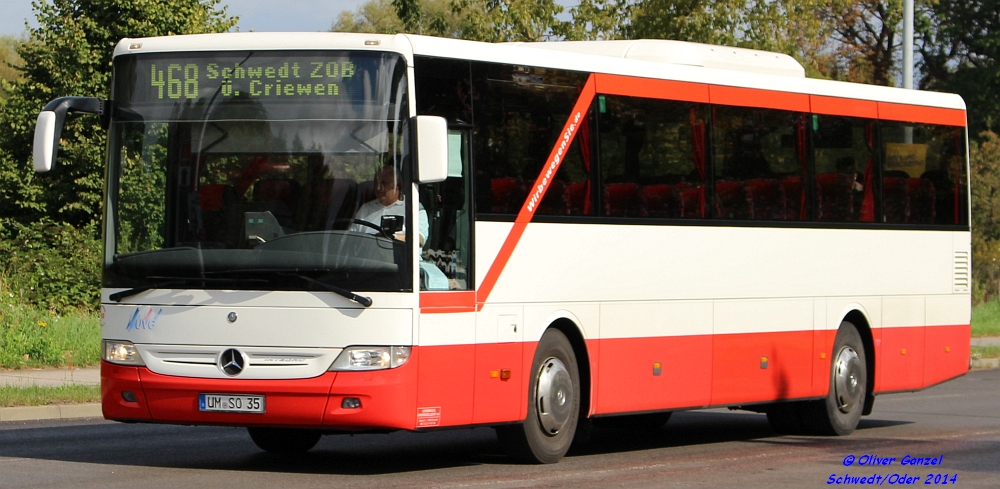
(984, 363)
(61, 411)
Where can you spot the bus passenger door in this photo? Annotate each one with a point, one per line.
(498, 370)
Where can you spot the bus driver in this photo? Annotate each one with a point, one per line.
(387, 202)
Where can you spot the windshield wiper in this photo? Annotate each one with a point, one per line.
(360, 299)
(165, 281)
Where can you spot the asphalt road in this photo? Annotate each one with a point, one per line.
(959, 420)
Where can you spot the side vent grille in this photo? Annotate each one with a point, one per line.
(961, 271)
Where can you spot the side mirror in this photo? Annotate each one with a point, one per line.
(391, 225)
(432, 148)
(48, 128)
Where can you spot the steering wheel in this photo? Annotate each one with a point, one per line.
(369, 225)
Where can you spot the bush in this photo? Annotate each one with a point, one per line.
(984, 159)
(32, 336)
(50, 265)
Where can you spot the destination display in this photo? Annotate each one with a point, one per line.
(327, 76)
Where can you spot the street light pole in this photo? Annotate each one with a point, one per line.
(908, 44)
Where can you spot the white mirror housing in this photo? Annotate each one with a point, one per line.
(432, 148)
(48, 128)
(45, 141)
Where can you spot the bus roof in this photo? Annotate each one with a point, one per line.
(669, 60)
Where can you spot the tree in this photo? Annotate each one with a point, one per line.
(429, 17)
(9, 63)
(959, 46)
(70, 54)
(984, 160)
(508, 20)
(866, 39)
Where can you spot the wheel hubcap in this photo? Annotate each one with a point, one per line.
(847, 385)
(554, 390)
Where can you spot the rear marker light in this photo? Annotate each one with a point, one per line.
(350, 403)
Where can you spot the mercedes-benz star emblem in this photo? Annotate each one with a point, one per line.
(232, 362)
(232, 317)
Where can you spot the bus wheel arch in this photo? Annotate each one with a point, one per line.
(861, 323)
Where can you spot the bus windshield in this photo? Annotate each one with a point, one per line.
(246, 170)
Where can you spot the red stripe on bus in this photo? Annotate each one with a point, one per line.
(761, 99)
(576, 117)
(843, 107)
(447, 302)
(920, 114)
(651, 88)
(464, 384)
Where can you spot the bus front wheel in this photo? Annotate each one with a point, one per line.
(284, 440)
(554, 405)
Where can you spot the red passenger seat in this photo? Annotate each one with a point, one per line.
(575, 196)
(835, 197)
(895, 203)
(920, 195)
(508, 195)
(766, 199)
(622, 200)
(690, 201)
(731, 200)
(553, 202)
(210, 196)
(656, 200)
(791, 190)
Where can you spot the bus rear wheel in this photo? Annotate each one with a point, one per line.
(840, 411)
(553, 408)
(284, 440)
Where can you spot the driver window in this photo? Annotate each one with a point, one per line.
(446, 258)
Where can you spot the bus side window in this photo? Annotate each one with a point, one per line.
(446, 258)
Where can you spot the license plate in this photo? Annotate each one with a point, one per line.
(231, 403)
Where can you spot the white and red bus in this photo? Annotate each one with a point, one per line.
(565, 232)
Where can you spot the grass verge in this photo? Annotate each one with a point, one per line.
(985, 352)
(986, 319)
(11, 396)
(36, 337)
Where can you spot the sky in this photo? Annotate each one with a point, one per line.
(258, 15)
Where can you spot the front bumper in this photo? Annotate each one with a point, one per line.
(388, 398)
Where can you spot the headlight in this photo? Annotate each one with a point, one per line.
(122, 353)
(371, 358)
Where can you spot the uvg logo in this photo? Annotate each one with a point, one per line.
(146, 321)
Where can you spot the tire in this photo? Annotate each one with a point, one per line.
(636, 422)
(553, 405)
(839, 413)
(284, 440)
